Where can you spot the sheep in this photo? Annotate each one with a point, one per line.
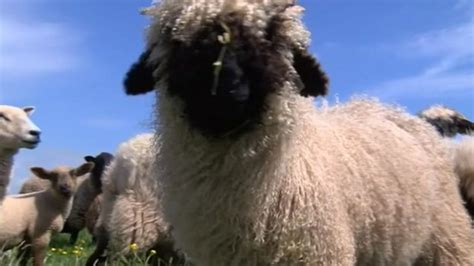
(87, 193)
(253, 173)
(29, 219)
(449, 123)
(131, 210)
(16, 131)
(89, 187)
(92, 215)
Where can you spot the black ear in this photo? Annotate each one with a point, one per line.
(89, 158)
(139, 78)
(314, 79)
(465, 126)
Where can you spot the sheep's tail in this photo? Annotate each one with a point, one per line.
(447, 121)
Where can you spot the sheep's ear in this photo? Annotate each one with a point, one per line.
(314, 79)
(83, 169)
(29, 110)
(89, 158)
(41, 172)
(139, 78)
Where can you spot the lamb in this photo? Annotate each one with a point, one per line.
(448, 123)
(16, 131)
(88, 191)
(29, 219)
(89, 188)
(131, 210)
(253, 173)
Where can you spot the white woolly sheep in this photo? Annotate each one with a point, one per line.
(16, 131)
(449, 122)
(131, 209)
(29, 219)
(89, 188)
(255, 174)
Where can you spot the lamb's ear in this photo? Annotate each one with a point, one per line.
(89, 158)
(41, 172)
(139, 78)
(314, 79)
(83, 169)
(29, 110)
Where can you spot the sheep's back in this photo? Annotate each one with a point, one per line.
(34, 184)
(356, 178)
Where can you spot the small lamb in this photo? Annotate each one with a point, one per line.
(88, 189)
(29, 219)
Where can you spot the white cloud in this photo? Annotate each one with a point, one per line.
(31, 47)
(452, 73)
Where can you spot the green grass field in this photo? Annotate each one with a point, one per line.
(61, 253)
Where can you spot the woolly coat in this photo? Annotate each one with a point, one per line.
(464, 168)
(131, 210)
(34, 214)
(92, 214)
(6, 165)
(358, 183)
(82, 203)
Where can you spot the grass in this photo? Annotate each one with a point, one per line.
(61, 253)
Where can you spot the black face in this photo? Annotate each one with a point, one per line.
(250, 70)
(252, 67)
(101, 161)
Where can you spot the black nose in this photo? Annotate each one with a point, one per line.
(35, 133)
(64, 189)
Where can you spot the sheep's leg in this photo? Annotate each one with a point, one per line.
(24, 253)
(39, 247)
(166, 254)
(73, 238)
(99, 254)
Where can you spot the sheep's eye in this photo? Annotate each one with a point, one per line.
(4, 117)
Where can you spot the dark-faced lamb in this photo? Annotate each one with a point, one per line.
(255, 174)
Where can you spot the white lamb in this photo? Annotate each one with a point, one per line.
(254, 174)
(131, 208)
(16, 131)
(29, 219)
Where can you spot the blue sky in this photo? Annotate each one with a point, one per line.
(68, 58)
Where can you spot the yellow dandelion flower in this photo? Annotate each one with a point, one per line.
(64, 253)
(152, 252)
(133, 247)
(52, 249)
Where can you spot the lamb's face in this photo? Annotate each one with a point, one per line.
(16, 129)
(63, 179)
(224, 73)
